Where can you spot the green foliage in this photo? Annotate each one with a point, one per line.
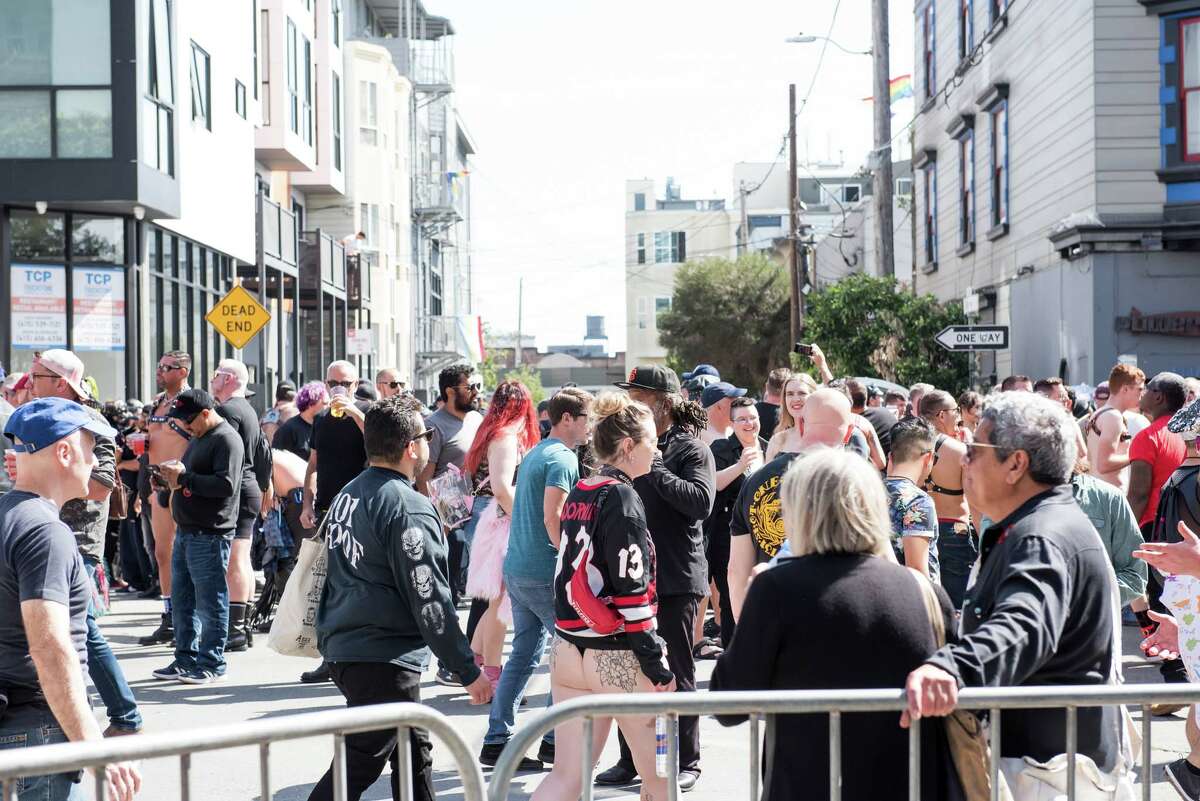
(531, 378)
(731, 314)
(868, 328)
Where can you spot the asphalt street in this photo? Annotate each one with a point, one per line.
(262, 684)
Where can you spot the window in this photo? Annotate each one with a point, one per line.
(851, 193)
(158, 105)
(929, 47)
(661, 306)
(643, 313)
(264, 48)
(50, 44)
(368, 113)
(930, 205)
(336, 28)
(904, 187)
(641, 248)
(639, 201)
(306, 83)
(1189, 87)
(670, 247)
(810, 192)
(336, 110)
(966, 188)
(369, 224)
(239, 98)
(999, 165)
(293, 78)
(201, 87)
(254, 33)
(966, 28)
(997, 9)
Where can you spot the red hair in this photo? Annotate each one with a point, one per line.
(510, 411)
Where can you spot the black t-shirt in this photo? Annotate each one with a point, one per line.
(768, 418)
(341, 454)
(242, 418)
(882, 419)
(757, 511)
(294, 436)
(38, 561)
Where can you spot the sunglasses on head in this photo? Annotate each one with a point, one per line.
(342, 384)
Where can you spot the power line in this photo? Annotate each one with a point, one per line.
(820, 59)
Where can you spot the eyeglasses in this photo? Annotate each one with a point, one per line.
(745, 421)
(51, 376)
(166, 368)
(342, 384)
(954, 410)
(391, 384)
(426, 434)
(971, 453)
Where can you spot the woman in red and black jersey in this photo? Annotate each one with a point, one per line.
(604, 599)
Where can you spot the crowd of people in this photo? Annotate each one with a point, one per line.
(936, 541)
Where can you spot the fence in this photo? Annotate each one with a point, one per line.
(66, 757)
(765, 705)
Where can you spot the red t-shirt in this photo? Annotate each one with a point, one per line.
(1164, 452)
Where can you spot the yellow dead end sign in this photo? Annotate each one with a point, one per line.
(238, 317)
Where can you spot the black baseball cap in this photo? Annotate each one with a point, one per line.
(653, 377)
(190, 403)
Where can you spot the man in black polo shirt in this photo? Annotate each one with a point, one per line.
(1043, 606)
(336, 458)
(205, 491)
(45, 593)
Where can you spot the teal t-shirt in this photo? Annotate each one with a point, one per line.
(530, 553)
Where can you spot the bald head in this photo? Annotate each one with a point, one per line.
(825, 419)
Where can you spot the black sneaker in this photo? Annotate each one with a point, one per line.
(318, 675)
(489, 755)
(618, 775)
(712, 629)
(1183, 778)
(546, 753)
(163, 635)
(153, 591)
(169, 673)
(447, 678)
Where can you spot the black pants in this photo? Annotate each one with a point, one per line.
(1172, 670)
(363, 684)
(676, 619)
(718, 572)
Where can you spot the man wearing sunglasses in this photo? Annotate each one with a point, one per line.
(205, 492)
(336, 457)
(388, 383)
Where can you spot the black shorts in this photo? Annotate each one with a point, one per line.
(249, 508)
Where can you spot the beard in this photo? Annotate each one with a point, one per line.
(467, 405)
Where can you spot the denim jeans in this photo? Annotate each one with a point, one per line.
(200, 598)
(958, 548)
(106, 673)
(533, 624)
(30, 726)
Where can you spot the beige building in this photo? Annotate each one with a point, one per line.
(660, 235)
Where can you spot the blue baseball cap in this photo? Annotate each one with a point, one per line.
(714, 393)
(702, 369)
(45, 421)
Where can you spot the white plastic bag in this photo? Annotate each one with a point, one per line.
(294, 630)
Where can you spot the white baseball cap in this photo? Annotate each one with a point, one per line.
(67, 366)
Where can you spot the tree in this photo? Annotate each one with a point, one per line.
(731, 314)
(868, 328)
(530, 377)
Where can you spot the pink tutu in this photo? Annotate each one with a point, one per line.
(485, 571)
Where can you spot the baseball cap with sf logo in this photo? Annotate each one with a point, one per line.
(652, 377)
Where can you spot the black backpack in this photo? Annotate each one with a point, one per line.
(1180, 492)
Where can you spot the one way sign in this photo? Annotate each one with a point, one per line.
(973, 337)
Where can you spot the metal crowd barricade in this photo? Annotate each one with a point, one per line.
(66, 757)
(765, 705)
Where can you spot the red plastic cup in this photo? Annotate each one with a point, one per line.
(137, 443)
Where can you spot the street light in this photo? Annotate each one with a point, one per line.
(808, 38)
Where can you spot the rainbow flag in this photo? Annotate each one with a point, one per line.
(900, 88)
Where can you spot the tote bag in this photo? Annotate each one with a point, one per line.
(294, 630)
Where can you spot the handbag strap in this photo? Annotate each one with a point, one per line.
(933, 608)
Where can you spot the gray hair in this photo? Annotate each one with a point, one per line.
(237, 370)
(1021, 421)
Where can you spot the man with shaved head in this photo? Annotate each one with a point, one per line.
(756, 530)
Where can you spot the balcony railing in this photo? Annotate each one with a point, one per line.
(438, 337)
(278, 231)
(324, 257)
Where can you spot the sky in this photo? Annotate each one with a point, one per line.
(566, 99)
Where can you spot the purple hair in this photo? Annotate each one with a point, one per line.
(311, 394)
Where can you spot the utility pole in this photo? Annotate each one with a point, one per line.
(520, 314)
(744, 225)
(797, 304)
(880, 49)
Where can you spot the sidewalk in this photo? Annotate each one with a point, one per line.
(262, 684)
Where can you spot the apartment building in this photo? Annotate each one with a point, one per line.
(155, 153)
(660, 235)
(1057, 182)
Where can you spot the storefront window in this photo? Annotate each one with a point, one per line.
(37, 236)
(98, 325)
(98, 239)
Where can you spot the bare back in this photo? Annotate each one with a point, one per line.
(945, 484)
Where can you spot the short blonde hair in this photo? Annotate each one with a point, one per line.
(834, 502)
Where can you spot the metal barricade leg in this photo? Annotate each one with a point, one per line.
(1147, 763)
(588, 758)
(264, 770)
(994, 752)
(673, 757)
(404, 765)
(101, 776)
(1072, 747)
(835, 756)
(10, 790)
(914, 760)
(755, 756)
(339, 767)
(185, 777)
